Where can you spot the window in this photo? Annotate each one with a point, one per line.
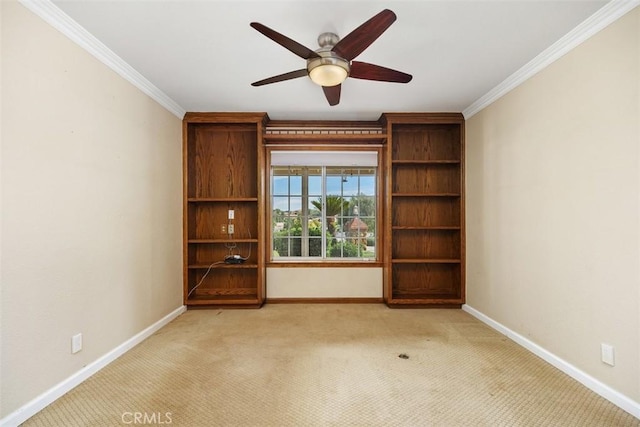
(324, 212)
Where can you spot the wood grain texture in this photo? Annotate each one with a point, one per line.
(225, 117)
(429, 244)
(225, 161)
(425, 211)
(426, 142)
(426, 178)
(223, 281)
(208, 217)
(423, 281)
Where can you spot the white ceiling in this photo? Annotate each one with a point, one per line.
(204, 55)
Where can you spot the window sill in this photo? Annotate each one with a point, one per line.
(323, 264)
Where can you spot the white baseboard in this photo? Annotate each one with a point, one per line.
(585, 379)
(28, 410)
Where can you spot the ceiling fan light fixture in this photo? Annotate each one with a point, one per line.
(328, 75)
(328, 70)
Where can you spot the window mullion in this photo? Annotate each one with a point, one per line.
(323, 187)
(304, 221)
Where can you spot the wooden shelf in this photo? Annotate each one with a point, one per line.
(218, 241)
(223, 265)
(250, 301)
(426, 195)
(424, 300)
(221, 199)
(425, 205)
(434, 227)
(424, 261)
(425, 162)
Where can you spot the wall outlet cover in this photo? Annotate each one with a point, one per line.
(76, 343)
(608, 354)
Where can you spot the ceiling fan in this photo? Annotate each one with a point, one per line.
(332, 63)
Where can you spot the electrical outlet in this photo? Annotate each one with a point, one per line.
(231, 214)
(223, 229)
(76, 343)
(230, 228)
(608, 354)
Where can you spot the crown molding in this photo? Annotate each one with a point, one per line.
(606, 15)
(55, 17)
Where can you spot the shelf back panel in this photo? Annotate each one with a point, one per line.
(426, 280)
(422, 244)
(208, 253)
(206, 220)
(426, 211)
(222, 161)
(223, 281)
(426, 142)
(443, 178)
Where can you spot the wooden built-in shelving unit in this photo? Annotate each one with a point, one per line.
(422, 217)
(223, 169)
(425, 210)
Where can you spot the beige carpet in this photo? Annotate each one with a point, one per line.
(330, 365)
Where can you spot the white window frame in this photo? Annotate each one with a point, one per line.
(362, 158)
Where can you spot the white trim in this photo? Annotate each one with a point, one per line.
(608, 14)
(53, 15)
(31, 408)
(585, 379)
(324, 158)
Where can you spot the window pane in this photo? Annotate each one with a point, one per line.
(345, 249)
(334, 182)
(315, 183)
(315, 246)
(350, 185)
(295, 206)
(280, 203)
(364, 206)
(368, 185)
(296, 185)
(295, 246)
(280, 185)
(280, 246)
(315, 208)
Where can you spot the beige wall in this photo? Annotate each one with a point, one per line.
(351, 282)
(91, 208)
(553, 187)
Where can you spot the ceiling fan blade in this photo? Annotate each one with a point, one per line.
(332, 93)
(295, 47)
(359, 39)
(366, 71)
(282, 77)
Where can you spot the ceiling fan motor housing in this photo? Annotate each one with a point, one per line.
(329, 69)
